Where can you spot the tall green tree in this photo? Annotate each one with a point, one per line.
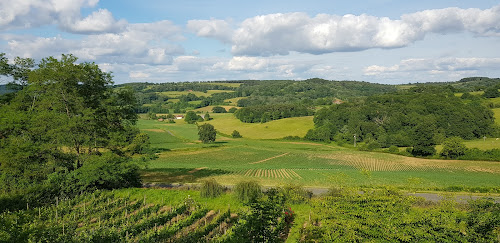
(453, 148)
(64, 118)
(423, 137)
(207, 133)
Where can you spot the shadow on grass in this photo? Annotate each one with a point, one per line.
(179, 175)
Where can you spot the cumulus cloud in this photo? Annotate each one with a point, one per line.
(433, 66)
(213, 28)
(65, 14)
(98, 22)
(282, 33)
(138, 75)
(149, 43)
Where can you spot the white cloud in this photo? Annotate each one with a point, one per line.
(65, 14)
(98, 22)
(213, 28)
(138, 75)
(436, 66)
(282, 33)
(139, 43)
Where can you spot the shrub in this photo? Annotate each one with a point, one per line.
(232, 110)
(211, 189)
(453, 148)
(219, 109)
(247, 191)
(296, 194)
(393, 149)
(236, 134)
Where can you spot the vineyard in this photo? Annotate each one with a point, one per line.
(343, 215)
(108, 217)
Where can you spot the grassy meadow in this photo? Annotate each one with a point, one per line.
(175, 94)
(260, 155)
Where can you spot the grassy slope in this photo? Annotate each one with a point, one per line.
(297, 126)
(274, 162)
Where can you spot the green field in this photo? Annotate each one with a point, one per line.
(175, 94)
(496, 112)
(233, 101)
(279, 162)
(296, 126)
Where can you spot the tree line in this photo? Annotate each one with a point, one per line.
(265, 113)
(419, 118)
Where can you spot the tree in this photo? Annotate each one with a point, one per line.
(491, 92)
(232, 110)
(236, 134)
(60, 123)
(219, 109)
(453, 148)
(207, 133)
(423, 137)
(207, 117)
(191, 117)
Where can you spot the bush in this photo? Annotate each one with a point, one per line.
(393, 149)
(232, 110)
(248, 191)
(207, 133)
(453, 148)
(296, 194)
(219, 109)
(211, 189)
(236, 134)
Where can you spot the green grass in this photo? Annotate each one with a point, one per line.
(277, 162)
(489, 143)
(496, 113)
(234, 101)
(175, 94)
(296, 126)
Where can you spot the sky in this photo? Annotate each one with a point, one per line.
(380, 41)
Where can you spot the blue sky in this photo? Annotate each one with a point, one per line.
(382, 41)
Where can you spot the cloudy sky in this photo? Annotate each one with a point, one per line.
(384, 41)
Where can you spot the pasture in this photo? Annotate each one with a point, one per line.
(183, 159)
(296, 126)
(176, 94)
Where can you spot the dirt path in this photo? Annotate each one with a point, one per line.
(264, 160)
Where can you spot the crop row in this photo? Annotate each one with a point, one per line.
(104, 218)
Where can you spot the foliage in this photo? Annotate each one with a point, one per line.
(207, 117)
(265, 113)
(232, 110)
(263, 221)
(207, 133)
(218, 109)
(423, 137)
(247, 191)
(211, 189)
(392, 119)
(370, 217)
(453, 148)
(236, 134)
(108, 171)
(65, 116)
(191, 117)
(491, 92)
(393, 149)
